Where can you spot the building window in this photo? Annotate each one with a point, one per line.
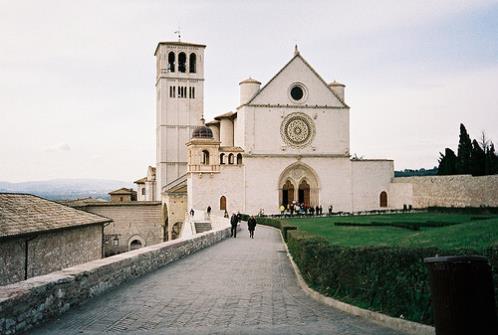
(230, 159)
(191, 92)
(121, 199)
(171, 62)
(222, 158)
(182, 60)
(223, 203)
(383, 199)
(143, 191)
(135, 244)
(205, 157)
(192, 63)
(239, 159)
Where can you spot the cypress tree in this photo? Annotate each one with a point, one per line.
(478, 160)
(464, 152)
(447, 163)
(492, 160)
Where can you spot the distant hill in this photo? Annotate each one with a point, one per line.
(66, 189)
(416, 173)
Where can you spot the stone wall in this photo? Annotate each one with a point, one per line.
(453, 191)
(30, 302)
(48, 252)
(142, 221)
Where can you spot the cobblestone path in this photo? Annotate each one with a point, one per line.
(238, 286)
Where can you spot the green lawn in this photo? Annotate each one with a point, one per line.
(467, 232)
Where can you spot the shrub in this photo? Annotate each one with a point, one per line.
(390, 280)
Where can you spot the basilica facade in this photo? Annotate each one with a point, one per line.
(287, 141)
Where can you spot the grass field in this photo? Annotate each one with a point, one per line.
(468, 231)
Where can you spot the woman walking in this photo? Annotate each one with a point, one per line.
(251, 226)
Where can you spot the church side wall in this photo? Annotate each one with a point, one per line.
(206, 189)
(453, 191)
(370, 178)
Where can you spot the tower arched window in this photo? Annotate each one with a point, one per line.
(230, 159)
(239, 159)
(171, 61)
(222, 158)
(192, 63)
(383, 199)
(182, 61)
(205, 157)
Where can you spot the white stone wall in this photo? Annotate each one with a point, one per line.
(370, 178)
(453, 191)
(206, 189)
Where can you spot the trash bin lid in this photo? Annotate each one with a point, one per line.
(456, 259)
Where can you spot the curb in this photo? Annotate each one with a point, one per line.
(409, 327)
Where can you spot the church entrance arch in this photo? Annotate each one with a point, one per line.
(298, 183)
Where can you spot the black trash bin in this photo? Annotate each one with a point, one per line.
(463, 298)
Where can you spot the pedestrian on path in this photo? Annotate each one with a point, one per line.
(251, 226)
(233, 221)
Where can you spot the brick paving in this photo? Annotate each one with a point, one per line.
(238, 286)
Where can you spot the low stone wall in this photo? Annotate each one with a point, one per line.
(453, 191)
(30, 302)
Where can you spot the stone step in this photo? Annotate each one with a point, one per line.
(201, 227)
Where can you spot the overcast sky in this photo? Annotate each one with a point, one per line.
(77, 77)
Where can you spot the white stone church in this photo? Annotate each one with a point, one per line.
(288, 140)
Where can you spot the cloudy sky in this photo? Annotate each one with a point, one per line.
(77, 77)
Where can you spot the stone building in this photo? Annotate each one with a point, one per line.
(38, 236)
(123, 195)
(146, 186)
(135, 224)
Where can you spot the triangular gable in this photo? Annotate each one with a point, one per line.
(297, 70)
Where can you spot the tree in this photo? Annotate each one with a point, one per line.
(478, 160)
(447, 163)
(491, 160)
(464, 151)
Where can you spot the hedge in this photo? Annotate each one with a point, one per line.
(393, 281)
(276, 223)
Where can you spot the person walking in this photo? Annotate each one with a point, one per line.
(251, 226)
(209, 211)
(233, 222)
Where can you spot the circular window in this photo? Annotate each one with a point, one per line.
(297, 93)
(297, 130)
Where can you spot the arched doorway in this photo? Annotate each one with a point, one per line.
(223, 203)
(135, 244)
(299, 182)
(383, 199)
(287, 193)
(303, 193)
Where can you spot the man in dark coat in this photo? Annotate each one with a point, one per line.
(233, 222)
(251, 226)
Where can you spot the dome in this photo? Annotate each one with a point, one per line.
(202, 132)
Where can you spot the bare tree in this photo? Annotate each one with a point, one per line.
(484, 142)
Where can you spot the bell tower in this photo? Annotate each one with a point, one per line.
(179, 106)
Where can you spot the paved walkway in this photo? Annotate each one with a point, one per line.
(238, 286)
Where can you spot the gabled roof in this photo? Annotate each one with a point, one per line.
(22, 214)
(141, 180)
(297, 55)
(123, 191)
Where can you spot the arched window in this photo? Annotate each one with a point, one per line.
(223, 203)
(239, 159)
(230, 159)
(192, 63)
(182, 60)
(171, 62)
(222, 158)
(383, 199)
(205, 157)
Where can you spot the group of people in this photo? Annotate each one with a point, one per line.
(302, 209)
(235, 219)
